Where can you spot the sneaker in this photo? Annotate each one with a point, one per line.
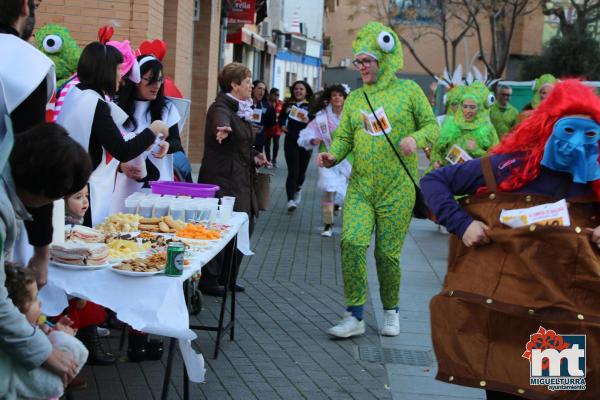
(327, 231)
(103, 332)
(291, 206)
(349, 326)
(391, 323)
(298, 197)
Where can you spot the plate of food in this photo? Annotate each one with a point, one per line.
(155, 264)
(127, 272)
(77, 267)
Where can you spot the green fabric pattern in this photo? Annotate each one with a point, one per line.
(546, 79)
(504, 119)
(453, 98)
(379, 193)
(67, 56)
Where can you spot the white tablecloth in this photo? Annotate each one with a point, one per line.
(153, 304)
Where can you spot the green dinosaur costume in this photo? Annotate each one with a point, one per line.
(503, 118)
(56, 42)
(475, 136)
(380, 193)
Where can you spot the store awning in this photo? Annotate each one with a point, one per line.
(258, 42)
(271, 48)
(240, 36)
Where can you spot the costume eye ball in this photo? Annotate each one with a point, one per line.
(52, 44)
(386, 41)
(491, 99)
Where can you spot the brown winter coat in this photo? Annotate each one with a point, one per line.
(496, 296)
(230, 164)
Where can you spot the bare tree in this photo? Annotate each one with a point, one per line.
(583, 14)
(453, 21)
(502, 17)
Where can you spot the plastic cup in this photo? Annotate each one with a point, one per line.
(213, 208)
(228, 200)
(145, 207)
(131, 205)
(190, 211)
(178, 210)
(225, 212)
(161, 208)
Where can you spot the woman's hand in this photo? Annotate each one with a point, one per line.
(261, 160)
(325, 160)
(284, 129)
(62, 364)
(159, 128)
(315, 141)
(132, 172)
(437, 165)
(223, 133)
(163, 149)
(475, 235)
(471, 144)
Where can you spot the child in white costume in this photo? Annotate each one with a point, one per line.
(38, 383)
(318, 134)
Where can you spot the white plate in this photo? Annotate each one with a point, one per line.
(79, 267)
(197, 241)
(136, 274)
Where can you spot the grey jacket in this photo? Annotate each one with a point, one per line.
(21, 342)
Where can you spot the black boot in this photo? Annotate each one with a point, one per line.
(136, 350)
(89, 337)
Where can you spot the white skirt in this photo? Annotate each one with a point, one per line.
(335, 179)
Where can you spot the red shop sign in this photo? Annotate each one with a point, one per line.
(241, 12)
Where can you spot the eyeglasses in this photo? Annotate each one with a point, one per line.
(366, 62)
(504, 94)
(149, 81)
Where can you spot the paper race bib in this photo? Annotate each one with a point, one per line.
(371, 125)
(256, 115)
(456, 155)
(299, 114)
(554, 214)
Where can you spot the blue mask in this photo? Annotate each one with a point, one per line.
(573, 148)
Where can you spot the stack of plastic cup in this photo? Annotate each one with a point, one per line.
(178, 210)
(226, 208)
(145, 207)
(213, 206)
(161, 208)
(191, 211)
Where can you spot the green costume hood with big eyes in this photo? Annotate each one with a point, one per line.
(546, 79)
(382, 43)
(56, 42)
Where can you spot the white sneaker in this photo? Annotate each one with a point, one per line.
(102, 332)
(391, 323)
(327, 231)
(298, 197)
(347, 327)
(291, 206)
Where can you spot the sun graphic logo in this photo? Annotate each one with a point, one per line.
(556, 361)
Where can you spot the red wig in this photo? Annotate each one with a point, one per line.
(569, 97)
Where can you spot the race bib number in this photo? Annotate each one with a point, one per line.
(372, 127)
(299, 114)
(553, 214)
(456, 155)
(256, 115)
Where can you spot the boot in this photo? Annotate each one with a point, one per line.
(136, 350)
(89, 337)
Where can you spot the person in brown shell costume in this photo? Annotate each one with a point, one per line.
(505, 286)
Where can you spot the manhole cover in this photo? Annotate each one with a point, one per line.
(417, 358)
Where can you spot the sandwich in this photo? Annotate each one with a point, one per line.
(80, 233)
(77, 253)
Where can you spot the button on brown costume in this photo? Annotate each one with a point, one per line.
(495, 296)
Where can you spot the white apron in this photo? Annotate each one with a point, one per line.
(125, 186)
(77, 117)
(17, 81)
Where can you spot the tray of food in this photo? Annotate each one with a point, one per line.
(155, 264)
(79, 255)
(165, 224)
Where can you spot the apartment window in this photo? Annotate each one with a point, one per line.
(417, 12)
(196, 10)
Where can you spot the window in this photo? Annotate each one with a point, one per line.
(196, 10)
(416, 12)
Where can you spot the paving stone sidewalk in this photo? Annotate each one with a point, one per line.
(293, 294)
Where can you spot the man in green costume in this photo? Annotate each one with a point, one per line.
(504, 116)
(56, 42)
(380, 192)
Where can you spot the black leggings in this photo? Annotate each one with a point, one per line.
(275, 140)
(297, 159)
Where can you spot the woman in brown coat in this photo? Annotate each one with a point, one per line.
(230, 160)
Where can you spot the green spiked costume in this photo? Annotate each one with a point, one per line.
(380, 193)
(56, 42)
(503, 118)
(456, 130)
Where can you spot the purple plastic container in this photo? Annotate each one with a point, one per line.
(184, 189)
